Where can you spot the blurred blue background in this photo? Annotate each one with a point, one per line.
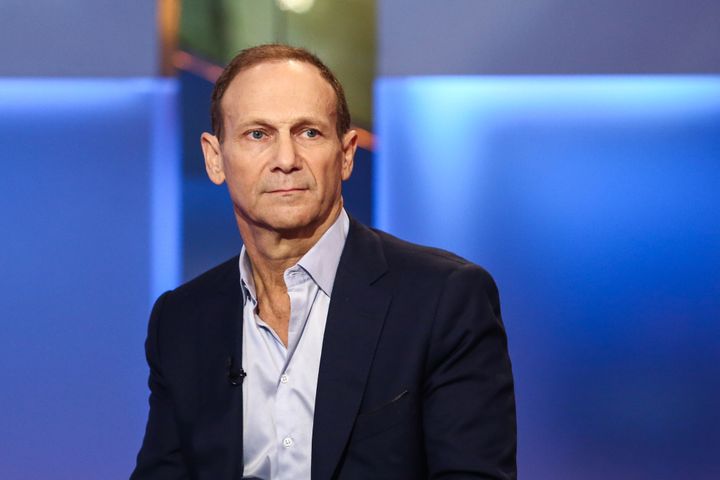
(89, 201)
(594, 203)
(572, 148)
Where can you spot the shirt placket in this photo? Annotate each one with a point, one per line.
(289, 437)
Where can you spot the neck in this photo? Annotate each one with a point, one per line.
(271, 252)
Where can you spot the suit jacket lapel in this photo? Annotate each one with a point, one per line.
(355, 319)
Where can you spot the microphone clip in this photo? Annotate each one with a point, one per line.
(235, 373)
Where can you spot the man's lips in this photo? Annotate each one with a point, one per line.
(286, 190)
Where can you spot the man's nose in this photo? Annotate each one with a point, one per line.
(287, 158)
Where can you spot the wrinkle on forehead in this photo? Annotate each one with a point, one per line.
(279, 92)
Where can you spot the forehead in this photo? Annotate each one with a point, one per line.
(278, 89)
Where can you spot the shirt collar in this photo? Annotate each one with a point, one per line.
(320, 262)
(247, 283)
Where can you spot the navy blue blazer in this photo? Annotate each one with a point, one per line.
(415, 379)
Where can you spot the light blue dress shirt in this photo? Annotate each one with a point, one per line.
(279, 390)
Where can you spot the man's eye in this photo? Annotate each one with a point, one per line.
(311, 133)
(257, 134)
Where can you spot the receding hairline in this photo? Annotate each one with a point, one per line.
(332, 112)
(290, 61)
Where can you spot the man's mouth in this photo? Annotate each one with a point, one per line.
(287, 190)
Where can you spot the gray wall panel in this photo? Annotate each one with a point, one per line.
(548, 37)
(50, 38)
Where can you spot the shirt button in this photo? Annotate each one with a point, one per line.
(287, 442)
(284, 378)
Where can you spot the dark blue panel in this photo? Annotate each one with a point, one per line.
(357, 191)
(594, 201)
(88, 202)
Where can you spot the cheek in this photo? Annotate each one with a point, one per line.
(238, 195)
(332, 181)
(242, 172)
(242, 186)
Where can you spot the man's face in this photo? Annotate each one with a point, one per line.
(281, 156)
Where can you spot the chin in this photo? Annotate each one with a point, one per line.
(296, 221)
(287, 220)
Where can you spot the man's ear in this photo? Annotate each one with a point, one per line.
(349, 145)
(213, 158)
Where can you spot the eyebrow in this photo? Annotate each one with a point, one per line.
(294, 123)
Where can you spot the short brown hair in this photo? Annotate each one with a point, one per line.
(273, 53)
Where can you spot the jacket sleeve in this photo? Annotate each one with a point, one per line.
(159, 457)
(468, 396)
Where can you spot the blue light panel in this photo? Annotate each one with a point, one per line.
(89, 202)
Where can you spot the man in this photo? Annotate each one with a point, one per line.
(326, 349)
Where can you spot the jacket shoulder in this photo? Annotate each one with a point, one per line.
(194, 309)
(218, 278)
(414, 258)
